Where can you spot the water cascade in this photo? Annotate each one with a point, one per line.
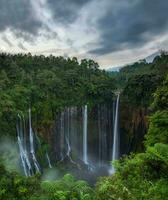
(32, 151)
(99, 132)
(22, 156)
(67, 133)
(62, 136)
(85, 126)
(115, 151)
(70, 140)
(48, 160)
(27, 155)
(22, 147)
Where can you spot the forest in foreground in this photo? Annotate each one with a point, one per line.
(49, 84)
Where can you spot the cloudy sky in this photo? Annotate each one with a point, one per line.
(113, 32)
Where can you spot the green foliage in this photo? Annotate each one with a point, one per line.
(143, 176)
(48, 84)
(140, 88)
(158, 67)
(158, 129)
(141, 79)
(137, 177)
(67, 188)
(14, 186)
(161, 96)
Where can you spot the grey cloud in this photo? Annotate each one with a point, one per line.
(18, 16)
(126, 24)
(66, 11)
(22, 47)
(49, 34)
(8, 42)
(133, 24)
(70, 42)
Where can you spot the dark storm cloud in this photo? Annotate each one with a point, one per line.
(18, 15)
(66, 11)
(126, 23)
(132, 24)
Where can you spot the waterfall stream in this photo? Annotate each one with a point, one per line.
(85, 127)
(35, 162)
(115, 149)
(22, 156)
(48, 160)
(22, 147)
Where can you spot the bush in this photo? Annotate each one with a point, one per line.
(67, 188)
(14, 186)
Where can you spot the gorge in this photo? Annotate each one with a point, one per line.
(70, 129)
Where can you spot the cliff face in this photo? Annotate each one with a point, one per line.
(136, 98)
(68, 128)
(133, 127)
(65, 134)
(62, 140)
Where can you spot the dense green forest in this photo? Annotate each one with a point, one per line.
(48, 84)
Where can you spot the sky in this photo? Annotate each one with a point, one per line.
(112, 32)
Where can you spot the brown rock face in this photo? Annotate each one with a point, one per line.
(133, 127)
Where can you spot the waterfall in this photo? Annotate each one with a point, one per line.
(62, 137)
(48, 160)
(115, 149)
(72, 138)
(74, 131)
(67, 131)
(85, 124)
(100, 138)
(25, 148)
(35, 162)
(68, 147)
(22, 147)
(68, 134)
(116, 137)
(22, 156)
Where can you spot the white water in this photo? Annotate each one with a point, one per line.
(22, 156)
(48, 160)
(100, 141)
(35, 162)
(85, 126)
(67, 130)
(69, 152)
(115, 150)
(68, 133)
(25, 146)
(22, 148)
(68, 147)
